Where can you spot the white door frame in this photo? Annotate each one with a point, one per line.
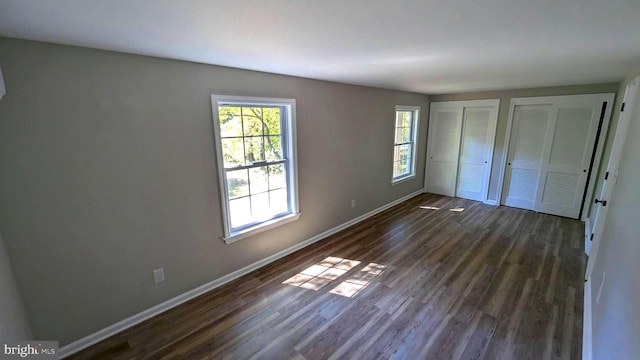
(630, 99)
(550, 100)
(602, 139)
(493, 124)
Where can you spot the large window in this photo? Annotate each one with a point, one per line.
(404, 145)
(255, 143)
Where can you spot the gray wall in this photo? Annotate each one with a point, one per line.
(14, 324)
(107, 171)
(505, 97)
(616, 318)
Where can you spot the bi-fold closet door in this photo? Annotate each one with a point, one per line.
(460, 148)
(552, 149)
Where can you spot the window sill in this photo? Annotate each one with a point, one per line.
(402, 179)
(267, 225)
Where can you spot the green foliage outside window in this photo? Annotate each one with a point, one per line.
(250, 135)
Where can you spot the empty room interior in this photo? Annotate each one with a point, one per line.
(320, 179)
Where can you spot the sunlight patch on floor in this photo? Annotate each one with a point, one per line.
(360, 280)
(425, 207)
(330, 269)
(317, 276)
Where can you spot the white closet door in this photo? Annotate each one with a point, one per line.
(528, 134)
(478, 131)
(444, 144)
(567, 155)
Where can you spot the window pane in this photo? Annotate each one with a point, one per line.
(252, 118)
(405, 151)
(237, 183)
(258, 177)
(408, 118)
(404, 166)
(279, 203)
(277, 177)
(230, 121)
(403, 135)
(232, 152)
(273, 147)
(403, 118)
(402, 152)
(271, 117)
(260, 207)
(253, 149)
(240, 212)
(400, 167)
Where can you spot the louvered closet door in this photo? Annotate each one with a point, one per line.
(475, 151)
(444, 144)
(568, 155)
(528, 134)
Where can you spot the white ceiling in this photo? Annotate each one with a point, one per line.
(427, 46)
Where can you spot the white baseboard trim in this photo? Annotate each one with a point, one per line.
(587, 323)
(122, 325)
(587, 236)
(490, 202)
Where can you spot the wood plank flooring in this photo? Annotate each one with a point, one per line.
(432, 278)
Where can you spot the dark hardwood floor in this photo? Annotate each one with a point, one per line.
(432, 278)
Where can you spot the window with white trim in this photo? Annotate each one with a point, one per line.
(256, 150)
(404, 143)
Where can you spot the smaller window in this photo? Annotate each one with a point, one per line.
(404, 142)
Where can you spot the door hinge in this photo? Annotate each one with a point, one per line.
(622, 108)
(591, 238)
(606, 175)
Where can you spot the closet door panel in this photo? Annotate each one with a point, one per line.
(529, 130)
(444, 142)
(564, 172)
(474, 153)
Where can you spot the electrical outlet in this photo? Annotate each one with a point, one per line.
(158, 275)
(604, 276)
(353, 204)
